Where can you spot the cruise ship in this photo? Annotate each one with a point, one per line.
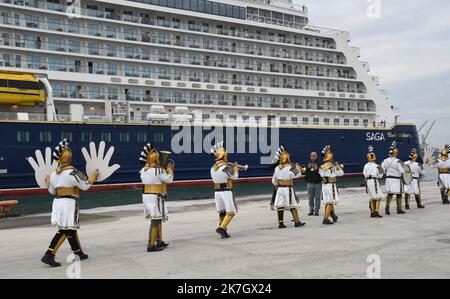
(126, 71)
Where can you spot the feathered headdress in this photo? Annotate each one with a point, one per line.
(393, 148)
(219, 151)
(413, 153)
(445, 151)
(276, 158)
(327, 154)
(144, 153)
(59, 149)
(371, 154)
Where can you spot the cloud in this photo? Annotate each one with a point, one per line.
(408, 48)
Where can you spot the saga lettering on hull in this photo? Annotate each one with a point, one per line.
(375, 136)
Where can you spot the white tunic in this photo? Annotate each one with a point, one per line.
(330, 192)
(417, 171)
(444, 178)
(285, 196)
(66, 211)
(155, 205)
(394, 169)
(372, 176)
(225, 201)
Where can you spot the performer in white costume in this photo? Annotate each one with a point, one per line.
(413, 189)
(394, 168)
(223, 174)
(443, 166)
(155, 178)
(283, 181)
(66, 183)
(372, 174)
(329, 171)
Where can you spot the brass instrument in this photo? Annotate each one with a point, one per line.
(240, 167)
(165, 159)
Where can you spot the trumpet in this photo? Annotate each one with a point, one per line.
(165, 159)
(240, 167)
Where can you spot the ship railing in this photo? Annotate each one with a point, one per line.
(151, 38)
(296, 81)
(275, 3)
(200, 121)
(176, 25)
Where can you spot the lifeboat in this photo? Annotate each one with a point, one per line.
(20, 89)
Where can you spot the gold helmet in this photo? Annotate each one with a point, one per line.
(219, 151)
(414, 156)
(63, 153)
(149, 156)
(444, 152)
(371, 157)
(393, 150)
(282, 156)
(327, 154)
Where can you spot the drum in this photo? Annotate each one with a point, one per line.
(407, 177)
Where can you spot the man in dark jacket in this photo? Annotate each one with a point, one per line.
(314, 186)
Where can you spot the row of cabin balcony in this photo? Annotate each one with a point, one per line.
(95, 92)
(186, 25)
(172, 39)
(268, 16)
(110, 50)
(37, 62)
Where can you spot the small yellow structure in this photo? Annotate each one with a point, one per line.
(20, 89)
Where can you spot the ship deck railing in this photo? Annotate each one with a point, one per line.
(212, 122)
(163, 23)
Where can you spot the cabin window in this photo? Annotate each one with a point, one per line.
(45, 136)
(142, 137)
(23, 136)
(346, 122)
(86, 137)
(316, 121)
(124, 137)
(105, 136)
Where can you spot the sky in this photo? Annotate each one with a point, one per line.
(407, 44)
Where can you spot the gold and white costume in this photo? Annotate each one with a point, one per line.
(372, 175)
(443, 167)
(66, 185)
(394, 168)
(417, 171)
(284, 197)
(153, 198)
(329, 172)
(155, 178)
(223, 175)
(283, 179)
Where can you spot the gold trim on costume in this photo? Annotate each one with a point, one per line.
(327, 180)
(154, 188)
(287, 183)
(444, 170)
(68, 192)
